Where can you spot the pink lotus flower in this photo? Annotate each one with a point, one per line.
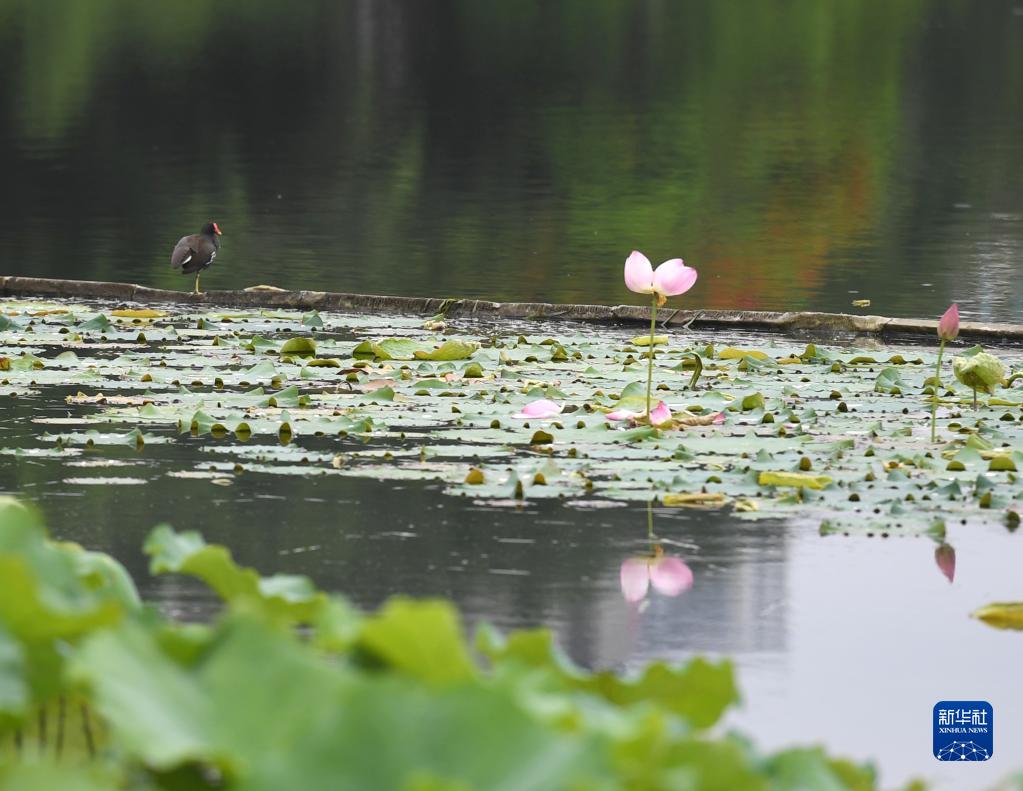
(659, 415)
(948, 326)
(670, 279)
(945, 557)
(669, 575)
(539, 409)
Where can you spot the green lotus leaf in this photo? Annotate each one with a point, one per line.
(288, 597)
(299, 347)
(449, 350)
(982, 371)
(797, 479)
(889, 381)
(1002, 615)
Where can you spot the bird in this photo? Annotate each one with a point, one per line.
(196, 252)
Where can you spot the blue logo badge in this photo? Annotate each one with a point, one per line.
(964, 730)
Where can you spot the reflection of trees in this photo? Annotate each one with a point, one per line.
(540, 138)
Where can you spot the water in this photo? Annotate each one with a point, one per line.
(843, 641)
(799, 154)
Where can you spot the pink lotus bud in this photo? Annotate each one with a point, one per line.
(948, 326)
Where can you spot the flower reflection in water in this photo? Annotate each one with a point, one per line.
(945, 557)
(668, 574)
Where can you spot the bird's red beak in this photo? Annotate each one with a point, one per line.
(216, 230)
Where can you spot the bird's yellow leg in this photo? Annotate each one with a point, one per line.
(197, 282)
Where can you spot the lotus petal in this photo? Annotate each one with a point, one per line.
(622, 414)
(673, 278)
(670, 575)
(660, 414)
(539, 409)
(948, 326)
(635, 579)
(639, 273)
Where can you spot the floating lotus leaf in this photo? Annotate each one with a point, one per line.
(449, 350)
(798, 479)
(1002, 615)
(732, 353)
(299, 347)
(137, 313)
(644, 340)
(843, 413)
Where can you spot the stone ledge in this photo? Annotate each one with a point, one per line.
(790, 322)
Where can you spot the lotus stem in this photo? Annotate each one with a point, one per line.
(934, 399)
(650, 365)
(698, 369)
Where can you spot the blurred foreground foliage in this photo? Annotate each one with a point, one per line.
(290, 687)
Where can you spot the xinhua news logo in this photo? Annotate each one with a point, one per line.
(964, 730)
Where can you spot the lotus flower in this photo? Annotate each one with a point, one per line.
(948, 325)
(669, 575)
(670, 279)
(945, 557)
(539, 409)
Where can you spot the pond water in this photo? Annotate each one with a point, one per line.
(848, 641)
(801, 154)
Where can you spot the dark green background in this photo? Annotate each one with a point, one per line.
(793, 151)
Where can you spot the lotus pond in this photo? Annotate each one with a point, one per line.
(836, 553)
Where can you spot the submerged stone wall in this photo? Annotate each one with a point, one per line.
(268, 297)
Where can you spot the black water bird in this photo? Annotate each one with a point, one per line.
(196, 252)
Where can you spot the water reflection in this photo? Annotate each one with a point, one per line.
(668, 574)
(541, 563)
(800, 156)
(945, 557)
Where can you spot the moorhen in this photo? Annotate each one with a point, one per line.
(196, 252)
